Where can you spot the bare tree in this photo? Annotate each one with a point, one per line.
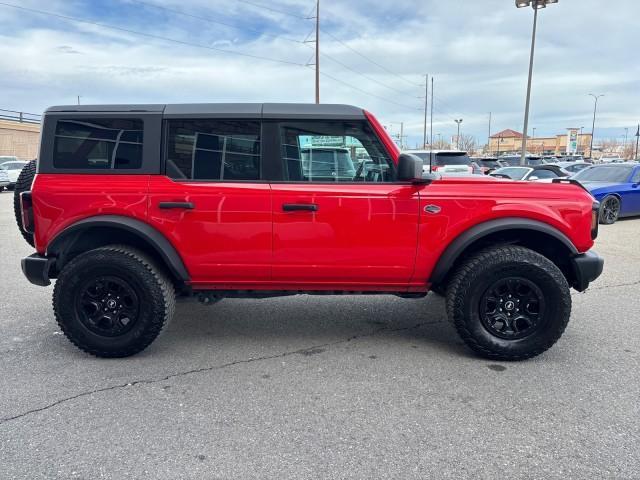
(468, 143)
(611, 145)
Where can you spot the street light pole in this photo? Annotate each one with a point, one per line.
(593, 125)
(458, 137)
(536, 5)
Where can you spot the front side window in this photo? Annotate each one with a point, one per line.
(318, 151)
(213, 150)
(104, 143)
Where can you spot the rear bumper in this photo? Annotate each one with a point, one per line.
(36, 268)
(586, 267)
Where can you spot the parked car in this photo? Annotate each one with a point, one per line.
(615, 186)
(4, 180)
(13, 169)
(229, 209)
(488, 164)
(514, 160)
(445, 161)
(573, 166)
(532, 174)
(327, 163)
(611, 159)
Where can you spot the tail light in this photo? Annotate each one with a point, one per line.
(595, 219)
(26, 210)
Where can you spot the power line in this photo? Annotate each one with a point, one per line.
(324, 74)
(150, 35)
(371, 79)
(275, 10)
(372, 61)
(197, 45)
(211, 20)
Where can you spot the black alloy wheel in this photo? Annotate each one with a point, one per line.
(108, 306)
(610, 210)
(512, 308)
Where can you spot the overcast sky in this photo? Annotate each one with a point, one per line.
(375, 55)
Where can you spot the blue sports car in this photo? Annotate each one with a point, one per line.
(617, 188)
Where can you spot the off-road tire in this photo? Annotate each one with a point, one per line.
(152, 287)
(23, 184)
(471, 282)
(609, 210)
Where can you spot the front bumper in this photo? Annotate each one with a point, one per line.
(36, 268)
(586, 268)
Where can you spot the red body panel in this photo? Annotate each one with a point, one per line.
(465, 203)
(362, 237)
(226, 238)
(61, 200)
(361, 234)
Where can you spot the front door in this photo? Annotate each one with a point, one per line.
(340, 220)
(213, 204)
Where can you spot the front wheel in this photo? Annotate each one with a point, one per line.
(509, 303)
(610, 210)
(112, 301)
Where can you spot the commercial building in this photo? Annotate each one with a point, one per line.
(510, 141)
(19, 135)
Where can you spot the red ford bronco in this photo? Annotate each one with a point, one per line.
(129, 205)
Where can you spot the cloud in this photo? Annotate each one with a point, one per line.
(477, 51)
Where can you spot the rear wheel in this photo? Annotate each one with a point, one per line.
(509, 303)
(610, 210)
(112, 301)
(23, 184)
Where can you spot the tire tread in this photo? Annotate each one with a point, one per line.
(460, 283)
(165, 297)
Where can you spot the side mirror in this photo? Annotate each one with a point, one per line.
(410, 168)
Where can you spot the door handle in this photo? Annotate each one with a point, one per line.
(305, 207)
(168, 205)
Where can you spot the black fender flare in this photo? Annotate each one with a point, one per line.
(142, 230)
(477, 232)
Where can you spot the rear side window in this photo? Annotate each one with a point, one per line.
(98, 144)
(213, 150)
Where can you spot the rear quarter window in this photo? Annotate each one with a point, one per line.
(98, 144)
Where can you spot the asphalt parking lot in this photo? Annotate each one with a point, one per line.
(322, 387)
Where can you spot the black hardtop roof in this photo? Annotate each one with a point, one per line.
(224, 110)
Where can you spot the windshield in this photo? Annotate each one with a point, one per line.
(327, 163)
(604, 174)
(516, 173)
(511, 160)
(490, 163)
(12, 166)
(445, 158)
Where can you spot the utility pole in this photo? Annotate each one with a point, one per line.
(426, 103)
(489, 137)
(401, 135)
(458, 137)
(431, 134)
(78, 99)
(317, 51)
(593, 125)
(637, 139)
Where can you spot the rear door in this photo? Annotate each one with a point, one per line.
(212, 203)
(353, 226)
